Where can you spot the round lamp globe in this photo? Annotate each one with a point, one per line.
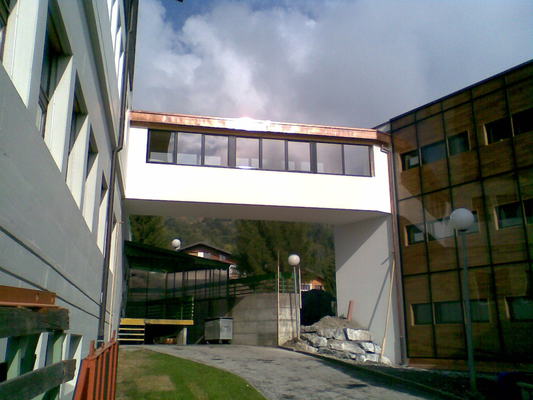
(462, 219)
(294, 260)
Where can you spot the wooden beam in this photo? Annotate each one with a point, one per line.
(18, 296)
(31, 384)
(23, 321)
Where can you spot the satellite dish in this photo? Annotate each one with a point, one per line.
(176, 243)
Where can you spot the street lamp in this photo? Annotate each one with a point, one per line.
(176, 243)
(461, 220)
(294, 261)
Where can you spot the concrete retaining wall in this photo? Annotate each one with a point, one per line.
(255, 319)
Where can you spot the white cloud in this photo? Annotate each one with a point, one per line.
(335, 62)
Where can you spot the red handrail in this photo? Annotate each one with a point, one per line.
(98, 372)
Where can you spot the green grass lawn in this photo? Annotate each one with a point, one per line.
(147, 375)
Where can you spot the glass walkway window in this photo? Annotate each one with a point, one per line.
(216, 151)
(189, 148)
(356, 160)
(299, 156)
(273, 156)
(161, 147)
(247, 153)
(329, 158)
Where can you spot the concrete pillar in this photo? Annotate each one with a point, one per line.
(364, 263)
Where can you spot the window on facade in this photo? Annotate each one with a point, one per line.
(356, 159)
(161, 146)
(247, 153)
(448, 312)
(479, 310)
(4, 13)
(299, 156)
(523, 121)
(74, 159)
(528, 208)
(498, 130)
(216, 151)
(329, 158)
(189, 148)
(433, 152)
(520, 308)
(458, 143)
(474, 228)
(509, 215)
(410, 160)
(273, 154)
(415, 233)
(440, 229)
(49, 75)
(422, 313)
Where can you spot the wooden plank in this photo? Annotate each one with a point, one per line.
(31, 384)
(21, 321)
(10, 294)
(131, 321)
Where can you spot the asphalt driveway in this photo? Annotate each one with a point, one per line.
(281, 375)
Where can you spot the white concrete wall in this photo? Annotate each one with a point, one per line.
(45, 240)
(364, 263)
(149, 181)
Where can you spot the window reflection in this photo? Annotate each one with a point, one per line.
(273, 154)
(299, 156)
(216, 150)
(356, 160)
(329, 158)
(189, 148)
(161, 146)
(247, 153)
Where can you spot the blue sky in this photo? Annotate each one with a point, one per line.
(333, 62)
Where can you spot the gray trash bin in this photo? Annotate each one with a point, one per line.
(218, 329)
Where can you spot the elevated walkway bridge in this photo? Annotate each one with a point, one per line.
(183, 165)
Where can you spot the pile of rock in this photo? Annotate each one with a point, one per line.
(341, 339)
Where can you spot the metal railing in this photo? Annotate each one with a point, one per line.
(98, 373)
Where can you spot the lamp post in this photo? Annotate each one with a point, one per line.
(294, 261)
(461, 220)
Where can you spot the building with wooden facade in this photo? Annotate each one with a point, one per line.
(472, 149)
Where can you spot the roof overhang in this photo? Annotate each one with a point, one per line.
(253, 127)
(142, 256)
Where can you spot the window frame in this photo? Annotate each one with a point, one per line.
(404, 159)
(498, 209)
(409, 235)
(488, 126)
(284, 144)
(454, 137)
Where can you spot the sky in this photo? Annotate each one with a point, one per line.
(330, 62)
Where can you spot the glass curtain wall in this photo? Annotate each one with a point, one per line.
(468, 150)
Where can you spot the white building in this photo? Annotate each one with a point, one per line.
(65, 81)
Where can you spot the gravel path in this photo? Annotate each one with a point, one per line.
(281, 375)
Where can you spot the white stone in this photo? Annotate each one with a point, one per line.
(315, 340)
(385, 360)
(357, 334)
(368, 346)
(341, 345)
(372, 357)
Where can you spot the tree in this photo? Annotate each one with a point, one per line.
(150, 230)
(258, 244)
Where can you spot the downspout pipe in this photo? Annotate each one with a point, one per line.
(113, 178)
